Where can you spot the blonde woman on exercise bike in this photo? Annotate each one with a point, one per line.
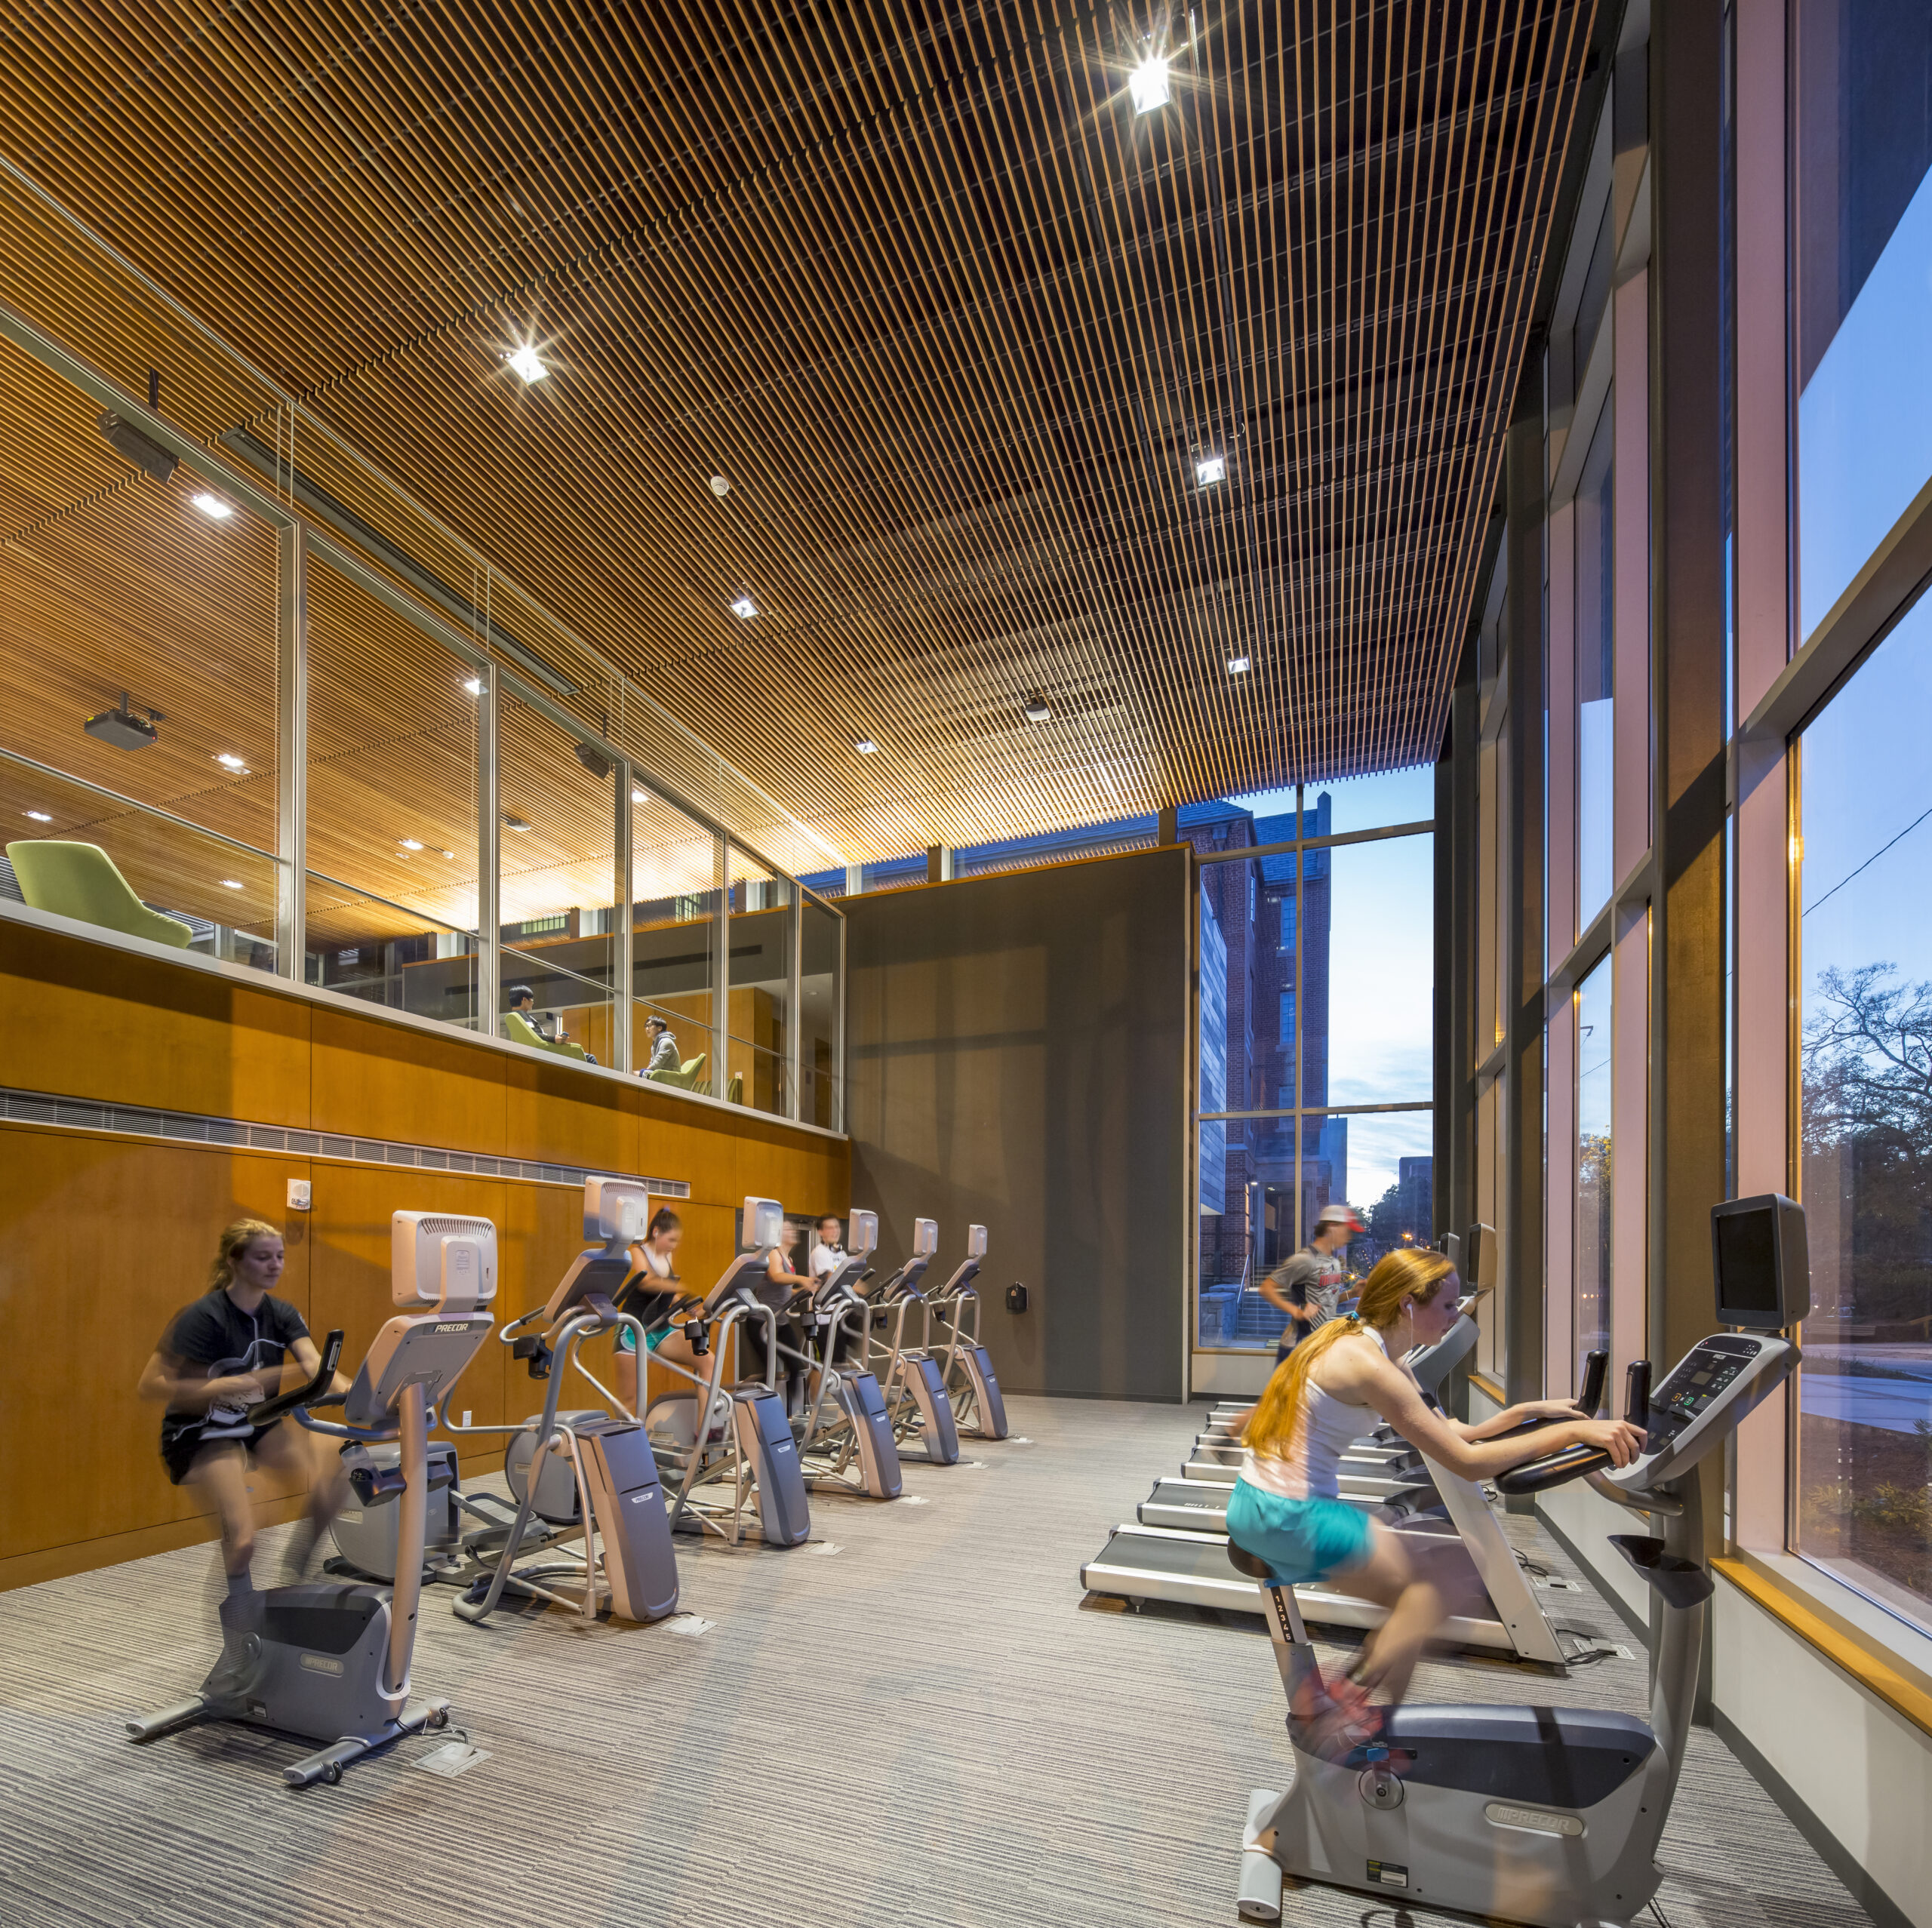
(1285, 1508)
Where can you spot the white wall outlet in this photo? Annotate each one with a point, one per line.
(298, 1195)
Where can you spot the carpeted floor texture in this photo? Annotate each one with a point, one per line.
(917, 1718)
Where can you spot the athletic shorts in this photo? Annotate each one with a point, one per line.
(1300, 1539)
(178, 1455)
(653, 1337)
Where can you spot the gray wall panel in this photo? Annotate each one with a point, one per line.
(1017, 1055)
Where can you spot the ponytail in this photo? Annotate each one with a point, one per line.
(235, 1241)
(1406, 1273)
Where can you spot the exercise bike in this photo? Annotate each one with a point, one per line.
(914, 1389)
(1548, 1816)
(330, 1661)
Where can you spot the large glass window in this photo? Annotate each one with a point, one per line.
(137, 655)
(392, 888)
(676, 878)
(558, 888)
(1316, 1003)
(1864, 1501)
(1591, 1276)
(1863, 177)
(821, 1095)
(759, 1011)
(1596, 677)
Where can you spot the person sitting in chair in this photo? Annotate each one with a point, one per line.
(663, 1047)
(523, 1001)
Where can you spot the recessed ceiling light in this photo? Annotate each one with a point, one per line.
(40, 816)
(1237, 665)
(1210, 469)
(1034, 709)
(475, 686)
(229, 761)
(450, 855)
(231, 883)
(865, 746)
(719, 486)
(409, 843)
(212, 506)
(1148, 83)
(640, 797)
(744, 609)
(527, 363)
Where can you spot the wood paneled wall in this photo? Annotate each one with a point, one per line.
(103, 1236)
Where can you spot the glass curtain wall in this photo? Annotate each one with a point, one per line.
(392, 817)
(1591, 1285)
(1596, 675)
(1315, 1003)
(166, 749)
(1861, 1501)
(138, 741)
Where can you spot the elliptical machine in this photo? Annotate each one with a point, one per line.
(717, 1439)
(1546, 1816)
(578, 1478)
(845, 1437)
(330, 1661)
(914, 1389)
(968, 1374)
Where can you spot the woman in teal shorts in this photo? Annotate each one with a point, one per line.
(1286, 1508)
(648, 1295)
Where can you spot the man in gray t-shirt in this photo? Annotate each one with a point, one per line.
(1308, 1287)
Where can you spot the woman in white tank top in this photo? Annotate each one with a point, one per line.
(1330, 1390)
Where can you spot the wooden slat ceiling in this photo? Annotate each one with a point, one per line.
(954, 321)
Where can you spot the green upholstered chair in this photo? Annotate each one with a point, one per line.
(519, 1030)
(735, 1092)
(81, 880)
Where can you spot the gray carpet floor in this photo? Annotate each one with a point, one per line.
(919, 1718)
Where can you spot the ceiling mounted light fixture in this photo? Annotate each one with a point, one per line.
(527, 363)
(1148, 83)
(1237, 665)
(231, 883)
(516, 823)
(720, 486)
(640, 797)
(212, 506)
(865, 746)
(1209, 470)
(744, 609)
(229, 761)
(409, 843)
(475, 686)
(39, 815)
(1034, 709)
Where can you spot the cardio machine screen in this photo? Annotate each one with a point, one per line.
(1698, 1380)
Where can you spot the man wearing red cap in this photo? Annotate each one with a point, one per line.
(1308, 1287)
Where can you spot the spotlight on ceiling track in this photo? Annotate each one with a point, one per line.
(1148, 83)
(1210, 469)
(148, 457)
(212, 506)
(123, 728)
(527, 364)
(595, 761)
(1034, 709)
(865, 746)
(1237, 665)
(744, 609)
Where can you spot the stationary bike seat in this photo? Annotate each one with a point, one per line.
(1252, 1564)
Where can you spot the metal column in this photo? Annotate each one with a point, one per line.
(489, 851)
(291, 638)
(794, 1025)
(839, 1034)
(721, 966)
(621, 984)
